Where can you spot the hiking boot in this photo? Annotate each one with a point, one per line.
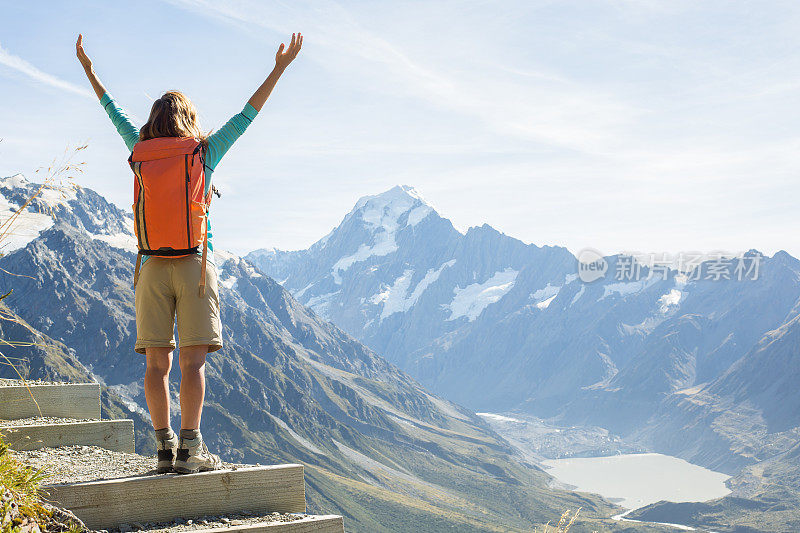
(167, 451)
(193, 457)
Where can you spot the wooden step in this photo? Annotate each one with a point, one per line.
(115, 435)
(74, 400)
(308, 524)
(258, 490)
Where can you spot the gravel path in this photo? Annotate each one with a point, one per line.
(4, 382)
(209, 522)
(44, 420)
(86, 463)
(70, 464)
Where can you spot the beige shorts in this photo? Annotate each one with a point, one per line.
(168, 286)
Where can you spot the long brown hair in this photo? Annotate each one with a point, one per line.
(172, 115)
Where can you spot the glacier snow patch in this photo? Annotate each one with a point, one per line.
(473, 299)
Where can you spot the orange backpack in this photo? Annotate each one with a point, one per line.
(170, 205)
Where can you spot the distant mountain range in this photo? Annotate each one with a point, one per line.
(701, 364)
(289, 386)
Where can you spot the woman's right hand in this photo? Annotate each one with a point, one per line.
(283, 58)
(82, 57)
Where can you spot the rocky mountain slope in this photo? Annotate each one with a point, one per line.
(699, 363)
(398, 276)
(495, 324)
(288, 386)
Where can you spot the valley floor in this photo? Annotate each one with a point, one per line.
(750, 503)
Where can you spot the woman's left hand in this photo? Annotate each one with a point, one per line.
(283, 58)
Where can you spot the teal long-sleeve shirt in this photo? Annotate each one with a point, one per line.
(219, 142)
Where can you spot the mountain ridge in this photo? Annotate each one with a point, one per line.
(695, 362)
(410, 302)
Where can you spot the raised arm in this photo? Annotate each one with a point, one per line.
(282, 60)
(125, 126)
(99, 90)
(221, 140)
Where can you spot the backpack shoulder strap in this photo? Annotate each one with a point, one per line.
(136, 270)
(200, 151)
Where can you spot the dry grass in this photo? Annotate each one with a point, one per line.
(21, 507)
(20, 485)
(564, 523)
(59, 177)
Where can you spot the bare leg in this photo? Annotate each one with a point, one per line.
(192, 360)
(156, 385)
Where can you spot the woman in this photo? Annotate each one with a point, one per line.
(163, 287)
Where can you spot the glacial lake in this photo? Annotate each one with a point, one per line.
(636, 480)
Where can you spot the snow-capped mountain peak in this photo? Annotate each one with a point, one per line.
(394, 256)
(371, 228)
(11, 182)
(398, 193)
(30, 223)
(388, 210)
(72, 206)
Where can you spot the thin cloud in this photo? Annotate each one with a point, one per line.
(20, 65)
(558, 113)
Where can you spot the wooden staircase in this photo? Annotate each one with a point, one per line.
(111, 503)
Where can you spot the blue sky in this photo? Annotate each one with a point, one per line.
(650, 126)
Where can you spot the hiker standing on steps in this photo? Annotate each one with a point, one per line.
(173, 161)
